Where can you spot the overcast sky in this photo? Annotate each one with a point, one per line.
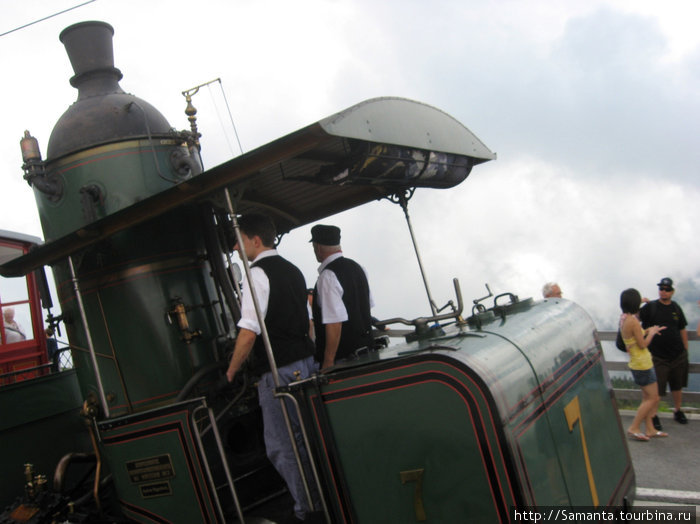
(593, 108)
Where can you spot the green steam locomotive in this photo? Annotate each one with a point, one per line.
(469, 416)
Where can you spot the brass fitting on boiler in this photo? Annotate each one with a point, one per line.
(179, 314)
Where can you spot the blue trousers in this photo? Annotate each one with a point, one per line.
(277, 442)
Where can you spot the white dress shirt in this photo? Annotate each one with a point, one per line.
(330, 293)
(249, 319)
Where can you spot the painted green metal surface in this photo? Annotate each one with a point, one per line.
(419, 432)
(124, 172)
(128, 285)
(158, 467)
(519, 412)
(572, 402)
(40, 423)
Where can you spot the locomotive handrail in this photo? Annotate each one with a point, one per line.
(423, 321)
(22, 371)
(222, 456)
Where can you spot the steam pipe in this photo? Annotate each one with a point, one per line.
(65, 462)
(194, 379)
(215, 254)
(98, 466)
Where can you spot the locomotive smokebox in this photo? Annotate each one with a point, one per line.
(110, 149)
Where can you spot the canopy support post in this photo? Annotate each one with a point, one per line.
(402, 200)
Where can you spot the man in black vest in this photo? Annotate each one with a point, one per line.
(281, 293)
(341, 300)
(669, 349)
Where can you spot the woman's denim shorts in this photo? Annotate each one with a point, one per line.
(643, 377)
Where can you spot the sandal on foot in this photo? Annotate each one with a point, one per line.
(658, 434)
(638, 436)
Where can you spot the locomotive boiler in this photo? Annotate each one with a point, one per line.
(470, 415)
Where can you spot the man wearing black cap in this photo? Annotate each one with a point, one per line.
(281, 294)
(341, 300)
(669, 349)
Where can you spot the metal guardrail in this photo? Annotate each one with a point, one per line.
(62, 362)
(64, 359)
(11, 376)
(633, 394)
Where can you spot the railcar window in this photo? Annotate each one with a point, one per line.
(16, 318)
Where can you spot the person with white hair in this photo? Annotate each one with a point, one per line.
(551, 290)
(13, 330)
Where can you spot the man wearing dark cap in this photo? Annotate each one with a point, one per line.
(669, 349)
(341, 300)
(281, 293)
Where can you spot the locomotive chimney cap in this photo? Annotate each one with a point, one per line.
(103, 113)
(90, 50)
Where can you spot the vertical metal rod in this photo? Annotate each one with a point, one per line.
(222, 456)
(312, 463)
(253, 294)
(266, 343)
(91, 347)
(403, 202)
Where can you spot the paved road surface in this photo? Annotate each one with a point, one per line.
(671, 463)
(667, 469)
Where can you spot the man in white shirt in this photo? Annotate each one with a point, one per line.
(341, 301)
(282, 297)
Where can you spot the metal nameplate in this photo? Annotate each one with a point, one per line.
(157, 489)
(150, 469)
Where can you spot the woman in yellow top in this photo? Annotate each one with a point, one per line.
(636, 341)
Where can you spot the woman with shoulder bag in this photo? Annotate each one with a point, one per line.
(636, 341)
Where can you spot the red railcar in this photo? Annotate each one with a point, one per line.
(23, 353)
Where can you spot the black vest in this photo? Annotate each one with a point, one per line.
(356, 331)
(287, 318)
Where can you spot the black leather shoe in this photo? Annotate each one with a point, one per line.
(657, 423)
(680, 417)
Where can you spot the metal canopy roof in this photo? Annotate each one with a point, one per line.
(371, 150)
